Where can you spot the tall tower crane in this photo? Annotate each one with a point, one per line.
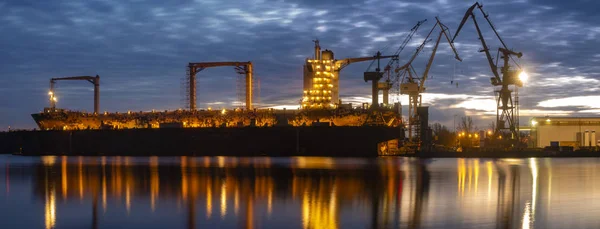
(240, 67)
(92, 79)
(412, 85)
(321, 77)
(507, 112)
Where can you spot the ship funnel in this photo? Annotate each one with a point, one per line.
(317, 50)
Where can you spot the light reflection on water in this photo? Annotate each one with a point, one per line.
(298, 192)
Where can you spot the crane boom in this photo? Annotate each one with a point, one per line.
(388, 67)
(241, 67)
(92, 79)
(414, 56)
(405, 42)
(409, 36)
(504, 49)
(341, 64)
(443, 29)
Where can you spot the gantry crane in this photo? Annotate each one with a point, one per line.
(240, 67)
(92, 79)
(507, 108)
(413, 86)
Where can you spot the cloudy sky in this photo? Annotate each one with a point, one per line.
(140, 49)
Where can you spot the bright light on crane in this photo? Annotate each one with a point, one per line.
(54, 98)
(50, 93)
(523, 76)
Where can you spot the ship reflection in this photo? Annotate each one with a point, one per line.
(388, 193)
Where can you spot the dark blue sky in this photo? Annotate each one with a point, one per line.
(140, 49)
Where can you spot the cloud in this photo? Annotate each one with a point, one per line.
(488, 106)
(141, 50)
(577, 102)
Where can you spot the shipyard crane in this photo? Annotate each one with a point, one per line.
(373, 77)
(388, 84)
(413, 86)
(240, 67)
(92, 79)
(407, 39)
(507, 108)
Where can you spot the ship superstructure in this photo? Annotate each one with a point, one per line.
(321, 81)
(322, 78)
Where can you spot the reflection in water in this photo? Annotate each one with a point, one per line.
(80, 176)
(50, 207)
(64, 175)
(154, 182)
(462, 174)
(7, 179)
(209, 199)
(319, 206)
(549, 171)
(104, 184)
(223, 200)
(529, 212)
(489, 168)
(300, 192)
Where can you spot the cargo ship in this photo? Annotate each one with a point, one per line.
(321, 126)
(320, 104)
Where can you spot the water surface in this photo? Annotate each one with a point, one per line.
(302, 192)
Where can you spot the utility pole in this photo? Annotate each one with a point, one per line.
(454, 124)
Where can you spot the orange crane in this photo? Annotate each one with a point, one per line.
(92, 79)
(507, 108)
(240, 67)
(413, 86)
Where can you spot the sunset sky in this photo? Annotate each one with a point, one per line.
(140, 50)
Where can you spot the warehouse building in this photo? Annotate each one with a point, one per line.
(565, 131)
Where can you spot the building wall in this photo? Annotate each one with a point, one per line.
(573, 131)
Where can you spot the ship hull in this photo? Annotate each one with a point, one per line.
(344, 141)
(73, 120)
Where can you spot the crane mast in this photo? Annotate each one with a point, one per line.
(241, 67)
(95, 80)
(507, 111)
(413, 86)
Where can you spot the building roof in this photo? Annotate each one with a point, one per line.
(559, 118)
